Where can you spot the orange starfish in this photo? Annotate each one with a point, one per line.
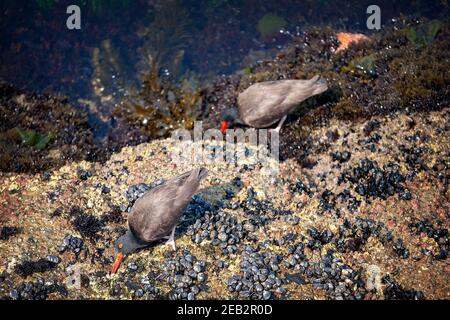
(346, 39)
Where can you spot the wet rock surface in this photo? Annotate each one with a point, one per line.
(40, 132)
(398, 66)
(336, 230)
(21, 111)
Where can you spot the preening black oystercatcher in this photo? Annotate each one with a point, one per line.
(155, 215)
(265, 103)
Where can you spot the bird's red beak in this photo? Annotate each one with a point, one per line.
(117, 263)
(224, 126)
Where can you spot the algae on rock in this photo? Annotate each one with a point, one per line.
(362, 66)
(34, 139)
(423, 34)
(270, 24)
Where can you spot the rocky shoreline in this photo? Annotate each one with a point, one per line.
(358, 210)
(368, 221)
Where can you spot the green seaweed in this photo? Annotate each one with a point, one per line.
(166, 39)
(161, 107)
(247, 70)
(111, 76)
(423, 34)
(33, 139)
(270, 24)
(362, 66)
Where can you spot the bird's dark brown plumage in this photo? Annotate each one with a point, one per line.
(155, 214)
(265, 103)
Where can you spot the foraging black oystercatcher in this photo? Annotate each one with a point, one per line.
(155, 215)
(265, 103)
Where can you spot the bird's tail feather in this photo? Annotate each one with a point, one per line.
(318, 85)
(201, 173)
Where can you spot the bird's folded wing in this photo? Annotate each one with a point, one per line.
(155, 214)
(264, 103)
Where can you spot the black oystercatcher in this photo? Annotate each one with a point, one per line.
(265, 103)
(155, 215)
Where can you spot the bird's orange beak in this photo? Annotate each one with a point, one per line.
(224, 126)
(117, 263)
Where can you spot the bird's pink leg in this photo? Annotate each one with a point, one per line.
(171, 240)
(278, 128)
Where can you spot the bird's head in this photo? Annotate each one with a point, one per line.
(229, 118)
(124, 245)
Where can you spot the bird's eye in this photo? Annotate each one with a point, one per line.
(120, 245)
